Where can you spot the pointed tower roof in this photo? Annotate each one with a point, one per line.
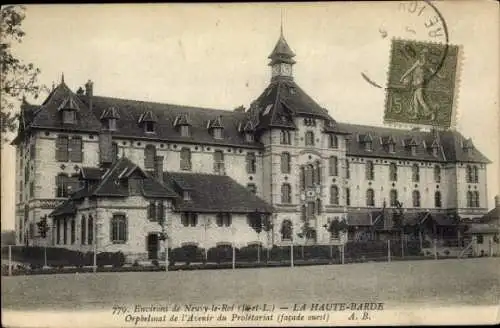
(282, 52)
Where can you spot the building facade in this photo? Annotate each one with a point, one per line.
(117, 172)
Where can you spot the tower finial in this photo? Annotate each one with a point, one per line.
(281, 26)
(62, 77)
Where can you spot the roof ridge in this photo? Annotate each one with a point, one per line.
(179, 106)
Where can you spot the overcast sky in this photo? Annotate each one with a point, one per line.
(216, 56)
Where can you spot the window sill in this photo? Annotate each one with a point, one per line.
(118, 242)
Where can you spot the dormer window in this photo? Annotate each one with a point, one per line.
(217, 133)
(435, 151)
(249, 137)
(185, 131)
(392, 148)
(216, 127)
(68, 109)
(148, 121)
(109, 117)
(112, 124)
(69, 117)
(368, 146)
(149, 127)
(186, 195)
(413, 150)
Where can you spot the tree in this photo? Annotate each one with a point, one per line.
(260, 222)
(17, 78)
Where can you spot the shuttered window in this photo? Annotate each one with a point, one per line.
(62, 148)
(75, 149)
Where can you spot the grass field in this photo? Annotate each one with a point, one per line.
(423, 283)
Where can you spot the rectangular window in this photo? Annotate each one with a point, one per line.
(189, 219)
(32, 189)
(152, 211)
(112, 124)
(223, 219)
(285, 163)
(149, 157)
(251, 163)
(393, 172)
(62, 148)
(90, 230)
(309, 138)
(185, 130)
(73, 231)
(185, 159)
(348, 197)
(369, 171)
(217, 133)
(75, 149)
(69, 117)
(347, 169)
(65, 231)
(134, 186)
(61, 185)
(334, 170)
(149, 127)
(480, 239)
(219, 162)
(32, 151)
(118, 229)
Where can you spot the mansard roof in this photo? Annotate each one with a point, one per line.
(281, 101)
(166, 114)
(214, 194)
(449, 143)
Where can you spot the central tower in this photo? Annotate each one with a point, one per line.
(282, 60)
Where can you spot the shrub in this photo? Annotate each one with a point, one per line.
(250, 253)
(221, 253)
(188, 254)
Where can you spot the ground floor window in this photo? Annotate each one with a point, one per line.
(119, 228)
(286, 230)
(480, 239)
(189, 219)
(223, 219)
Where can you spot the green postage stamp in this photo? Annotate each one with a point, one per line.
(421, 84)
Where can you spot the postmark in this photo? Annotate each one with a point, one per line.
(421, 83)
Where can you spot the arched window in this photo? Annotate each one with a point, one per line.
(475, 174)
(334, 195)
(469, 199)
(370, 197)
(369, 171)
(437, 199)
(394, 197)
(286, 230)
(286, 195)
(309, 170)
(185, 159)
(119, 230)
(90, 232)
(83, 230)
(437, 173)
(334, 166)
(285, 163)
(468, 173)
(415, 173)
(416, 198)
(333, 141)
(149, 157)
(285, 137)
(309, 138)
(393, 172)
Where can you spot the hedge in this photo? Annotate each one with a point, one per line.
(187, 254)
(60, 257)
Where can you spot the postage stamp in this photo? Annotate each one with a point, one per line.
(421, 83)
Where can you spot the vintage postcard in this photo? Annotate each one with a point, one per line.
(277, 164)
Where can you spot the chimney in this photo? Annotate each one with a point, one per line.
(89, 92)
(497, 201)
(158, 173)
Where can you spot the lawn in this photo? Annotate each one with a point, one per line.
(422, 283)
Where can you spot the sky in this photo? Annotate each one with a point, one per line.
(215, 56)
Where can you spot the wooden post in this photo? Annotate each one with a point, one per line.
(10, 260)
(258, 248)
(331, 251)
(291, 254)
(435, 249)
(45, 256)
(343, 253)
(420, 238)
(388, 250)
(234, 257)
(166, 252)
(402, 246)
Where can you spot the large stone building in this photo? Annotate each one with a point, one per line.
(108, 171)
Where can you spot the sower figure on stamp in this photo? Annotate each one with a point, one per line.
(415, 75)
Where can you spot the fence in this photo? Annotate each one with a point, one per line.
(225, 256)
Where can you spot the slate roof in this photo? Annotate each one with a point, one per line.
(281, 101)
(166, 114)
(211, 193)
(91, 173)
(492, 216)
(282, 52)
(65, 208)
(450, 144)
